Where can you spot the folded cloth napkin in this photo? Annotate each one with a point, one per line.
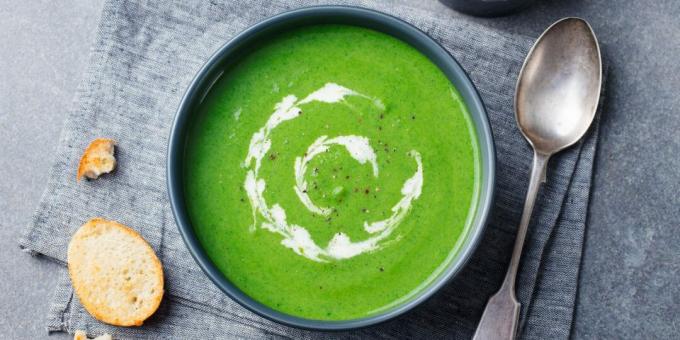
(143, 59)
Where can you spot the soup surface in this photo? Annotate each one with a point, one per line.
(330, 173)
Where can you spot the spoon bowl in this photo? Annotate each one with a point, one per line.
(559, 86)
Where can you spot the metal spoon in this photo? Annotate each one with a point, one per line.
(557, 94)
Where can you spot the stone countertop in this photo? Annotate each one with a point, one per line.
(630, 280)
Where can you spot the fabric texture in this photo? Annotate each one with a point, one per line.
(143, 59)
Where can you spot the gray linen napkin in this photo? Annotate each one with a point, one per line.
(145, 56)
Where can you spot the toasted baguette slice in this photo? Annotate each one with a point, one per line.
(97, 159)
(115, 273)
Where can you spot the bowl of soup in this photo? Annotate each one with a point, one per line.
(331, 167)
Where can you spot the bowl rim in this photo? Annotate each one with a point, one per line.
(350, 15)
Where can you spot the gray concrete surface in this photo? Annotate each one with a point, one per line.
(43, 51)
(630, 282)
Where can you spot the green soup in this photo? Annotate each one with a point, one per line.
(331, 173)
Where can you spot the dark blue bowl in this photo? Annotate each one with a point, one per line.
(231, 52)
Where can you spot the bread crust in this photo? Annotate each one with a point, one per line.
(97, 159)
(109, 270)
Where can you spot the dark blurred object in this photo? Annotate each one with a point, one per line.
(487, 8)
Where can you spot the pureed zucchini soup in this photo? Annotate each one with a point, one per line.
(331, 172)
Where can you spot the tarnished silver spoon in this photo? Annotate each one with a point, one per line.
(557, 94)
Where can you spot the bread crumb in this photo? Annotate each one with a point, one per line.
(80, 335)
(97, 159)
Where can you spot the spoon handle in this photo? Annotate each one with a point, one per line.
(501, 314)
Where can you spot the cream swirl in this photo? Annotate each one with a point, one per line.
(274, 217)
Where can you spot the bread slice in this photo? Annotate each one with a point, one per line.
(115, 273)
(97, 159)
